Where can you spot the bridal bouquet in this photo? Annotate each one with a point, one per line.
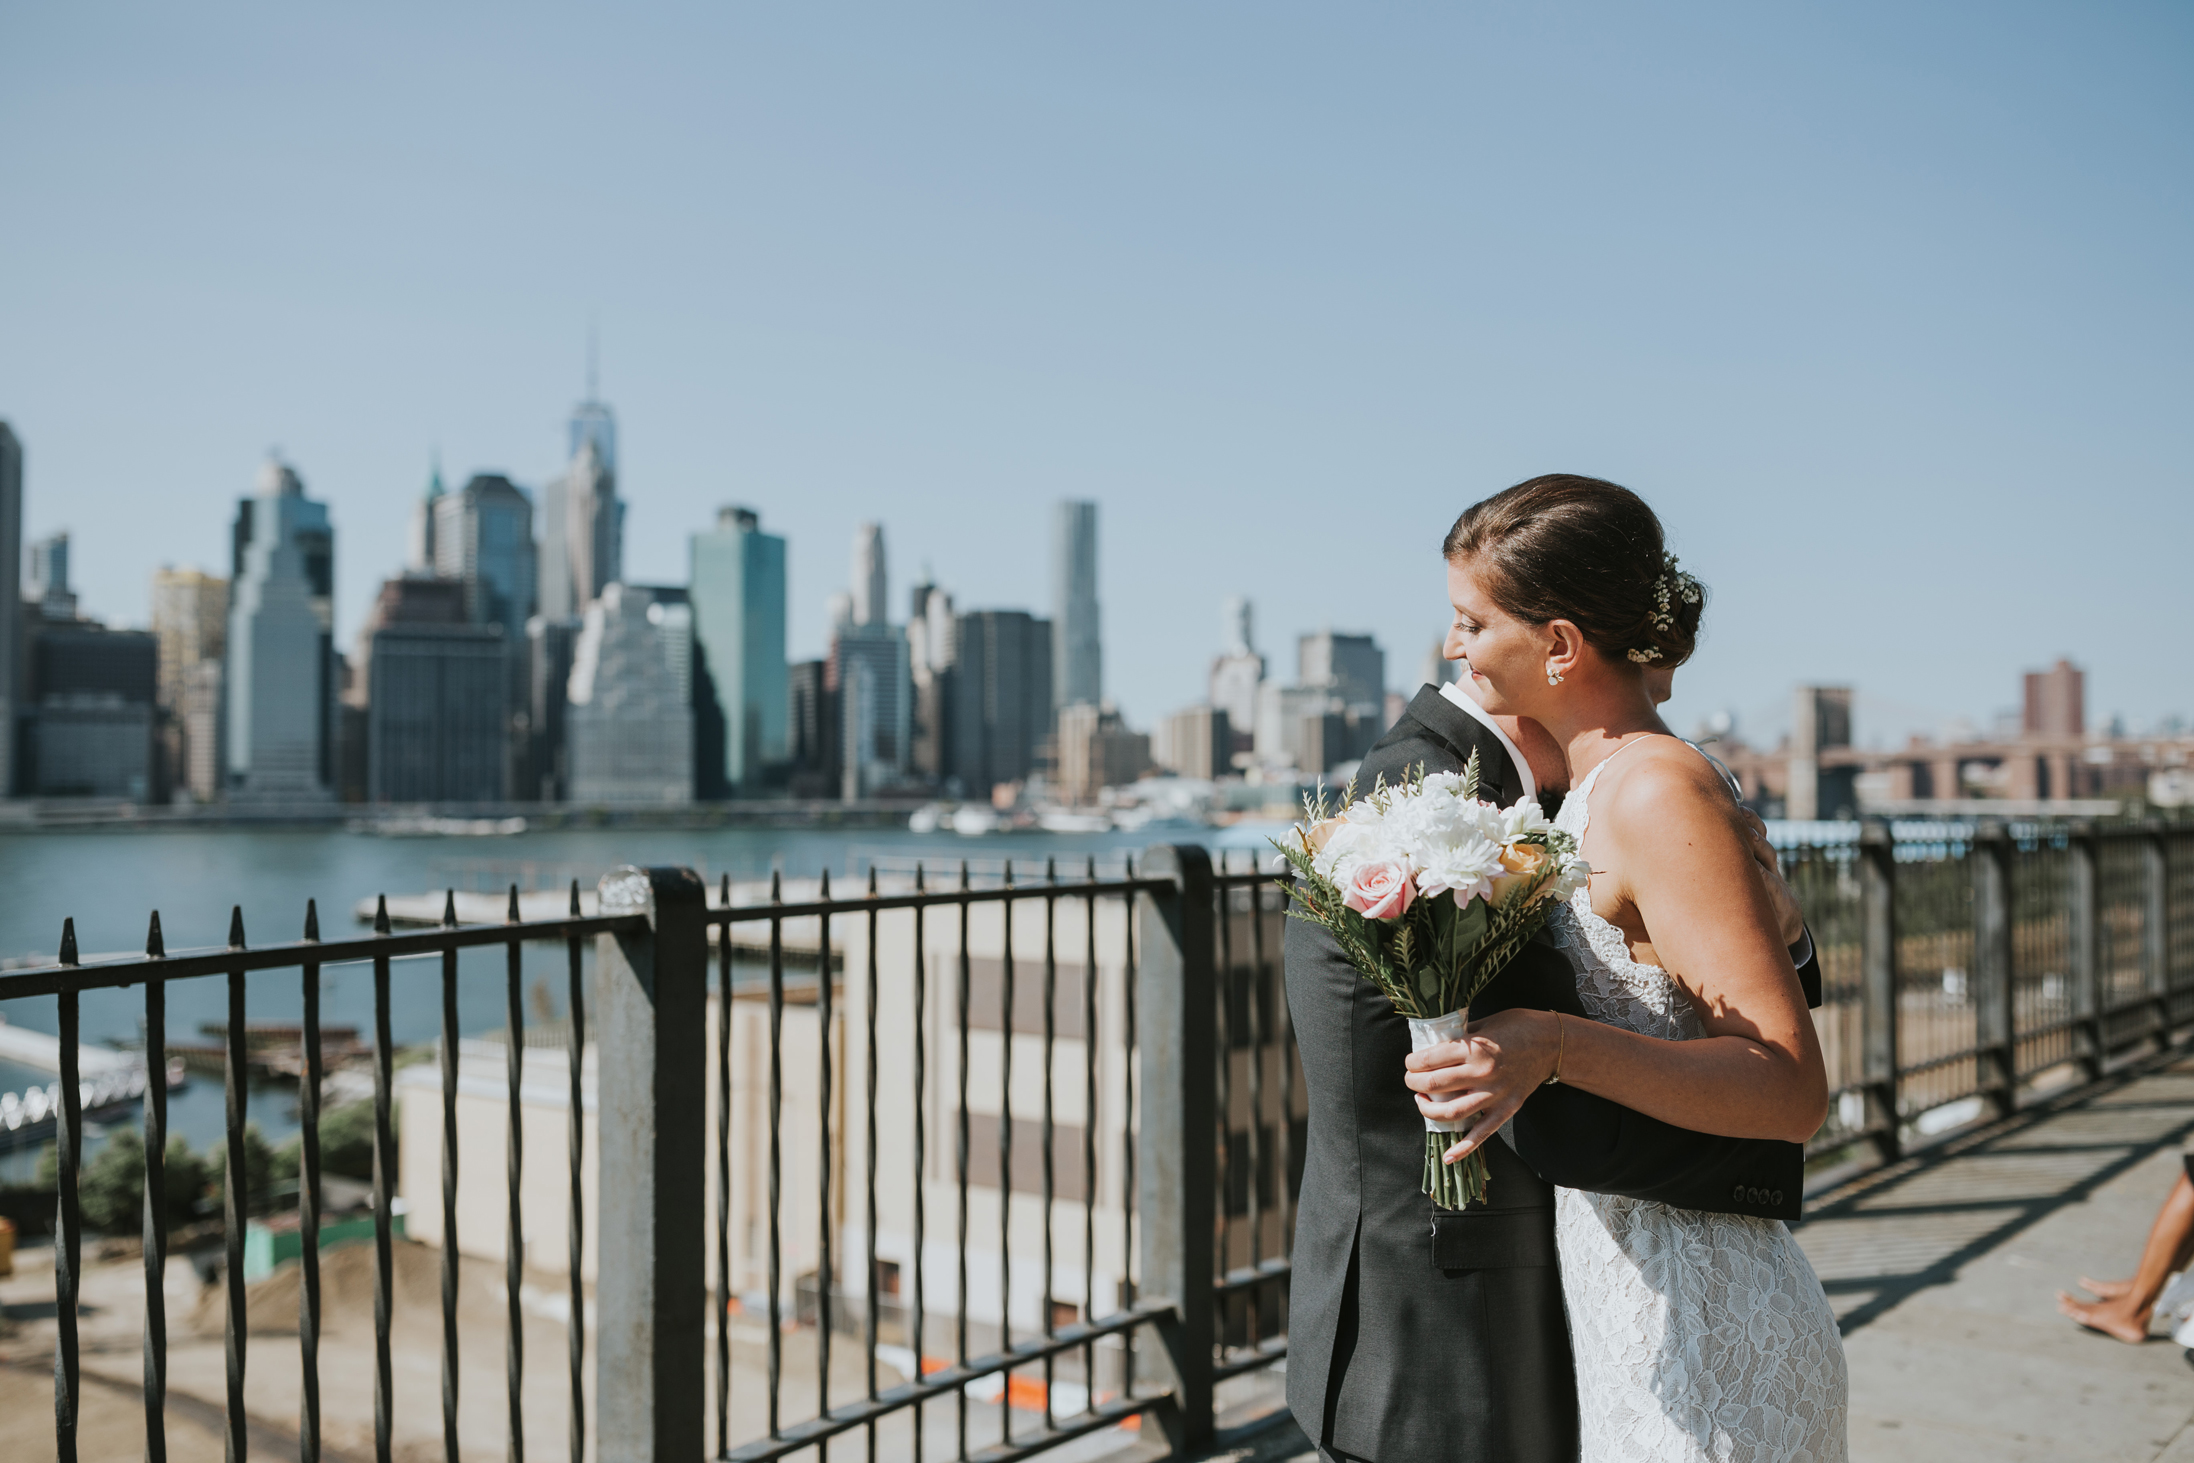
(1430, 893)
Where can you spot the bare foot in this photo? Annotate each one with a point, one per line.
(2113, 1317)
(2106, 1289)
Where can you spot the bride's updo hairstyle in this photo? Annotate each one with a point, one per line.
(1563, 547)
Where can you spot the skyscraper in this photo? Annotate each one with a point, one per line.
(814, 730)
(483, 537)
(281, 684)
(737, 583)
(434, 709)
(592, 421)
(1077, 655)
(628, 726)
(1239, 669)
(1351, 668)
(871, 588)
(94, 690)
(11, 598)
(869, 678)
(549, 645)
(190, 613)
(419, 550)
(49, 577)
(932, 648)
(1001, 695)
(583, 522)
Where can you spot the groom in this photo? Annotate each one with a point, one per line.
(1416, 1333)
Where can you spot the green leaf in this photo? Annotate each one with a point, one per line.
(1470, 928)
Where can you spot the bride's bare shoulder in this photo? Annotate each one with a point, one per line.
(1664, 787)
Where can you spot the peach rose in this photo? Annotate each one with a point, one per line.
(1321, 833)
(1379, 889)
(1525, 864)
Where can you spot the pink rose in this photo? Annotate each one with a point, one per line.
(1380, 890)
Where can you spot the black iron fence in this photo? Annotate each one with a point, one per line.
(960, 1165)
(1969, 965)
(1147, 1001)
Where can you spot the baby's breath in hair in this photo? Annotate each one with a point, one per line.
(1672, 585)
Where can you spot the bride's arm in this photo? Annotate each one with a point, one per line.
(1687, 874)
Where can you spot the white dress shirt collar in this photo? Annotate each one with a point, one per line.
(1456, 692)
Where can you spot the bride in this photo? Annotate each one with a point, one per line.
(1697, 1336)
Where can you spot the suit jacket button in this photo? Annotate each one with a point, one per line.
(1753, 1195)
(1776, 1197)
(1737, 1195)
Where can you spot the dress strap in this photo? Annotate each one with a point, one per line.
(1584, 789)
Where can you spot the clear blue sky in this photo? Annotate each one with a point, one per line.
(1887, 308)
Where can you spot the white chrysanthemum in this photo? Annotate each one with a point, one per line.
(1466, 868)
(1522, 820)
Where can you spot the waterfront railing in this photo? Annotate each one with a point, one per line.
(1972, 967)
(959, 1166)
(1147, 1001)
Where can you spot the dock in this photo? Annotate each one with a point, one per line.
(41, 1052)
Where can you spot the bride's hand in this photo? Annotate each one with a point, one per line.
(1486, 1076)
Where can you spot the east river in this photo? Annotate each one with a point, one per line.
(109, 882)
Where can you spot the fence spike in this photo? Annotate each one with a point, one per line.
(727, 889)
(236, 927)
(1051, 870)
(155, 945)
(777, 886)
(919, 886)
(826, 884)
(1009, 873)
(963, 875)
(312, 919)
(68, 941)
(1093, 868)
(381, 915)
(512, 917)
(449, 909)
(872, 881)
(575, 899)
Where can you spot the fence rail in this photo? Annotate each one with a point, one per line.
(1008, 1159)
(1969, 965)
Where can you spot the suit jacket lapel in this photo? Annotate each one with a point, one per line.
(1461, 734)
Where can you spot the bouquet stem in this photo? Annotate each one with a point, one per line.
(1453, 1185)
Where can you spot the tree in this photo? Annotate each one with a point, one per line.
(110, 1189)
(258, 1172)
(346, 1147)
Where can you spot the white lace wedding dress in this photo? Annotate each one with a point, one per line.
(1698, 1336)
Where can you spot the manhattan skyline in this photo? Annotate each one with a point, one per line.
(1881, 311)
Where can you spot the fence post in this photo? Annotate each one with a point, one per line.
(2083, 889)
(1878, 984)
(1177, 992)
(650, 996)
(1995, 1023)
(2156, 924)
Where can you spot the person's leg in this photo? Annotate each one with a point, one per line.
(2126, 1306)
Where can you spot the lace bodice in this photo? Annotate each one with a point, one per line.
(1700, 1338)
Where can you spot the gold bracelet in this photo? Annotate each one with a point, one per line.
(1561, 1044)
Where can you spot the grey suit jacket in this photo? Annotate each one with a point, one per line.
(1415, 1333)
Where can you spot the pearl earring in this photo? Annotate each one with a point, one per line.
(1553, 676)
